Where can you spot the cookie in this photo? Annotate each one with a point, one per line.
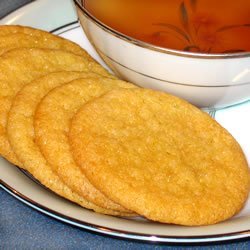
(161, 157)
(20, 131)
(20, 66)
(52, 122)
(14, 36)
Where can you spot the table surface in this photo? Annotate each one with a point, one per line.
(22, 227)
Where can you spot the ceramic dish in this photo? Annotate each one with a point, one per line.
(15, 182)
(206, 80)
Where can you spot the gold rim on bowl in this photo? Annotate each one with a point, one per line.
(154, 47)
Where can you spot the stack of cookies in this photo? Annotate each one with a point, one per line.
(108, 145)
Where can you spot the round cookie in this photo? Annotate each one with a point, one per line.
(19, 40)
(14, 36)
(20, 66)
(22, 138)
(52, 122)
(161, 157)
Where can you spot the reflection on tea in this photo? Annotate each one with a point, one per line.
(206, 26)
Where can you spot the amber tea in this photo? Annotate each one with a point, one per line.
(206, 26)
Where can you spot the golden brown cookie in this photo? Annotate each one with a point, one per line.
(161, 157)
(20, 131)
(20, 66)
(14, 36)
(52, 122)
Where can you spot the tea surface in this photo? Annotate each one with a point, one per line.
(206, 26)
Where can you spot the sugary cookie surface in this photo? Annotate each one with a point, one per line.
(52, 121)
(160, 157)
(21, 66)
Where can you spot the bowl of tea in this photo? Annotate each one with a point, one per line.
(196, 49)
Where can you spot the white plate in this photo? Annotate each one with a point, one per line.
(59, 16)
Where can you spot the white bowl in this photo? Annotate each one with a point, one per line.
(206, 80)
